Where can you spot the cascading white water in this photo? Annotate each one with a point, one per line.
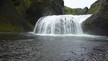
(60, 24)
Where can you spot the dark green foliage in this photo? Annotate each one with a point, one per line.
(75, 11)
(27, 3)
(68, 10)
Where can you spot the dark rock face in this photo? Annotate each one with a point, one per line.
(10, 20)
(98, 23)
(41, 8)
(21, 15)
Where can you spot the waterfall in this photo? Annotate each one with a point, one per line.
(60, 24)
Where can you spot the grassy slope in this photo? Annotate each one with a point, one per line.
(75, 11)
(95, 7)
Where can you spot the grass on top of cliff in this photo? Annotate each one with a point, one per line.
(75, 11)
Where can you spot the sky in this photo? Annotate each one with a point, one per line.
(78, 3)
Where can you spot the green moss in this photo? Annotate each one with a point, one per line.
(78, 11)
(19, 9)
(10, 24)
(95, 7)
(19, 15)
(10, 27)
(75, 11)
(68, 10)
(27, 3)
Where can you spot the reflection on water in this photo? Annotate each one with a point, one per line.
(55, 48)
(82, 36)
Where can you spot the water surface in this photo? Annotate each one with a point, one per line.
(54, 48)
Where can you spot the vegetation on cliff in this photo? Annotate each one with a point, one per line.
(75, 11)
(41, 8)
(95, 7)
(10, 19)
(98, 23)
(21, 15)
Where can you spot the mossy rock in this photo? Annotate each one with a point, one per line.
(95, 7)
(11, 20)
(21, 15)
(98, 23)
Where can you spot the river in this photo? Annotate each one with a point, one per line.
(28, 47)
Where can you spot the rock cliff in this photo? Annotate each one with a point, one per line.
(98, 23)
(41, 8)
(21, 15)
(95, 7)
(10, 20)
